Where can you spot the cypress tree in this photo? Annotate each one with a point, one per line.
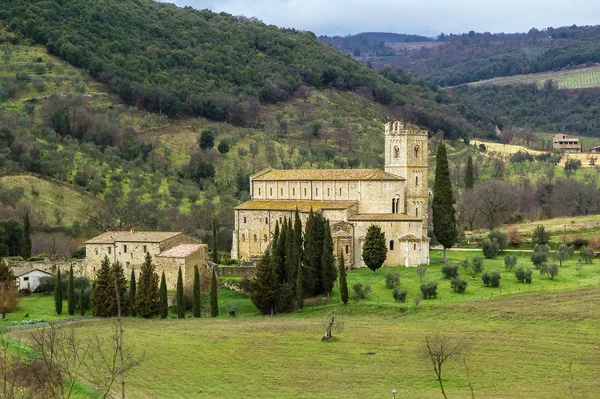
(81, 302)
(197, 304)
(374, 250)
(26, 251)
(279, 253)
(265, 286)
(215, 257)
(275, 238)
(58, 301)
(313, 252)
(469, 176)
(291, 259)
(71, 293)
(147, 292)
(132, 293)
(300, 285)
(214, 299)
(328, 269)
(100, 294)
(180, 303)
(116, 273)
(444, 214)
(163, 300)
(297, 236)
(342, 281)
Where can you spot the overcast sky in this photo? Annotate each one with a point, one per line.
(425, 17)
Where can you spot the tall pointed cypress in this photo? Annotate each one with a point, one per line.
(82, 302)
(71, 293)
(300, 285)
(291, 260)
(444, 214)
(101, 296)
(275, 238)
(313, 252)
(58, 301)
(26, 251)
(163, 301)
(147, 296)
(297, 235)
(279, 253)
(215, 257)
(117, 274)
(214, 299)
(180, 303)
(132, 293)
(197, 301)
(328, 267)
(469, 176)
(265, 286)
(342, 281)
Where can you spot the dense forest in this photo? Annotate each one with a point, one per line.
(174, 60)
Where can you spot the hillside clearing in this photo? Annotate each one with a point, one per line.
(579, 78)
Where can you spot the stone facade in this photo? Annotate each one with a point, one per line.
(168, 249)
(352, 199)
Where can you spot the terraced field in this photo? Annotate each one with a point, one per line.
(566, 79)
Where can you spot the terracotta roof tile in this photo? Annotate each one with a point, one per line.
(19, 271)
(182, 251)
(291, 205)
(111, 237)
(325, 174)
(383, 217)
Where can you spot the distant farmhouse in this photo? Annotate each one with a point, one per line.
(352, 199)
(28, 279)
(169, 250)
(567, 144)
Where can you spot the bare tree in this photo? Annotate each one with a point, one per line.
(438, 349)
(10, 367)
(332, 322)
(9, 298)
(495, 200)
(573, 198)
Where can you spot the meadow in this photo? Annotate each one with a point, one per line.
(580, 78)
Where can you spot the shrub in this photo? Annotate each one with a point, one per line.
(587, 254)
(510, 261)
(459, 284)
(540, 236)
(552, 271)
(500, 237)
(392, 280)
(79, 253)
(490, 248)
(473, 267)
(540, 254)
(524, 276)
(450, 270)
(491, 279)
(399, 294)
(579, 242)
(429, 290)
(514, 237)
(360, 292)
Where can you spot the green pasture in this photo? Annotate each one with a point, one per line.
(579, 78)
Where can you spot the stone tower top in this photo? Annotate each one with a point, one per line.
(403, 128)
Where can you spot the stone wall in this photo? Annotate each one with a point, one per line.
(237, 271)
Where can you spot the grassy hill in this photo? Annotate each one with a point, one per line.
(580, 78)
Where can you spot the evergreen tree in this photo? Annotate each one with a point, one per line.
(71, 293)
(374, 249)
(100, 293)
(214, 299)
(328, 268)
(215, 257)
(297, 236)
(180, 303)
(291, 259)
(58, 301)
(275, 238)
(342, 281)
(147, 296)
(163, 299)
(6, 274)
(279, 253)
(81, 302)
(469, 176)
(197, 301)
(117, 274)
(313, 251)
(27, 232)
(132, 293)
(265, 286)
(444, 214)
(299, 285)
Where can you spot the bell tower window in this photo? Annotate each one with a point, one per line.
(417, 181)
(396, 152)
(416, 152)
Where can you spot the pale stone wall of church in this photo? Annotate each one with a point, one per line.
(376, 196)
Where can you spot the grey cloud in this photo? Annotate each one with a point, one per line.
(426, 17)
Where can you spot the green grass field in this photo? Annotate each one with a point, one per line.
(519, 345)
(565, 79)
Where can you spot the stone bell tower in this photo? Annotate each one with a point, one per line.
(406, 155)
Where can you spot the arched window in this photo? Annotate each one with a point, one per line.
(244, 219)
(393, 205)
(280, 220)
(266, 238)
(271, 192)
(259, 191)
(316, 191)
(415, 247)
(294, 192)
(243, 238)
(266, 220)
(305, 191)
(282, 192)
(255, 239)
(416, 151)
(347, 249)
(328, 193)
(391, 245)
(396, 152)
(416, 211)
(417, 181)
(340, 191)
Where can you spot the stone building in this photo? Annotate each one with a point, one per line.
(352, 199)
(567, 144)
(169, 250)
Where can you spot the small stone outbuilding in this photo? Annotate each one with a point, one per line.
(28, 279)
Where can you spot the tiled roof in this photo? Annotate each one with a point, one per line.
(19, 271)
(383, 217)
(291, 205)
(409, 237)
(324, 174)
(181, 251)
(111, 237)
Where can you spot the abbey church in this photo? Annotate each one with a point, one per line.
(396, 199)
